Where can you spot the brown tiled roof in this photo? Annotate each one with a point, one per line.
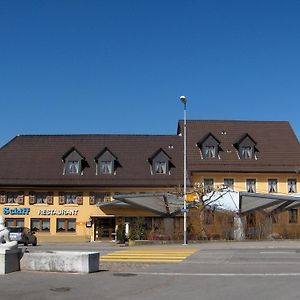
(278, 146)
(35, 160)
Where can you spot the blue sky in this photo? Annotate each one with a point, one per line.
(120, 66)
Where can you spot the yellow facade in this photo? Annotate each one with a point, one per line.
(283, 226)
(83, 214)
(240, 180)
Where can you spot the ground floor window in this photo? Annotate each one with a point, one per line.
(209, 217)
(66, 225)
(293, 215)
(14, 222)
(40, 225)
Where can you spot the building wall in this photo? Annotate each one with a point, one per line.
(82, 213)
(240, 180)
(283, 227)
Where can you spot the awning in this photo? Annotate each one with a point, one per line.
(164, 204)
(269, 202)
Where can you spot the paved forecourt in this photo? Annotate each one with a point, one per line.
(150, 255)
(246, 270)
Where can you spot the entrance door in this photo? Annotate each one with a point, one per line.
(105, 228)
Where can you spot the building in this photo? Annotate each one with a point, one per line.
(62, 186)
(251, 156)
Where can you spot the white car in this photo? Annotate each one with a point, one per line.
(22, 235)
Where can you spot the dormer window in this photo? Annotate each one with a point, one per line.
(106, 167)
(246, 147)
(160, 167)
(73, 167)
(74, 162)
(209, 146)
(106, 163)
(246, 152)
(209, 151)
(160, 162)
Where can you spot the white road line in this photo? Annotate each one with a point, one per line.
(215, 262)
(221, 274)
(277, 252)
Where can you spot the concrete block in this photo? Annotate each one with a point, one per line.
(9, 260)
(61, 261)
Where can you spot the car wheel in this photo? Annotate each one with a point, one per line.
(34, 243)
(26, 242)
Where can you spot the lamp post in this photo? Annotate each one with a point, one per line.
(183, 101)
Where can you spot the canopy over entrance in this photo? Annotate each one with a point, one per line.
(270, 203)
(164, 204)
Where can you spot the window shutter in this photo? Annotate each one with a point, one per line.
(62, 198)
(20, 198)
(79, 199)
(49, 198)
(2, 198)
(92, 199)
(32, 198)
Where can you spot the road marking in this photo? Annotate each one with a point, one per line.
(149, 255)
(221, 274)
(277, 252)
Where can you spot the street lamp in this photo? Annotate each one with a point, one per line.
(183, 101)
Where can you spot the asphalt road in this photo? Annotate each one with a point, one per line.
(233, 271)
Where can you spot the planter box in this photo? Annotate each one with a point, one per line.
(9, 260)
(61, 261)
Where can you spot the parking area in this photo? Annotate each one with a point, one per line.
(233, 270)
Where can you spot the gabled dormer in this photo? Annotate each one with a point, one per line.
(74, 162)
(106, 163)
(209, 146)
(246, 147)
(160, 162)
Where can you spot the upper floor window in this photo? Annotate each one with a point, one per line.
(12, 197)
(209, 146)
(251, 185)
(246, 147)
(208, 185)
(106, 167)
(272, 185)
(247, 152)
(73, 167)
(229, 182)
(107, 162)
(71, 198)
(160, 167)
(99, 197)
(209, 151)
(292, 186)
(160, 162)
(41, 198)
(74, 162)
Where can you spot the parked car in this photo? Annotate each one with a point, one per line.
(22, 235)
